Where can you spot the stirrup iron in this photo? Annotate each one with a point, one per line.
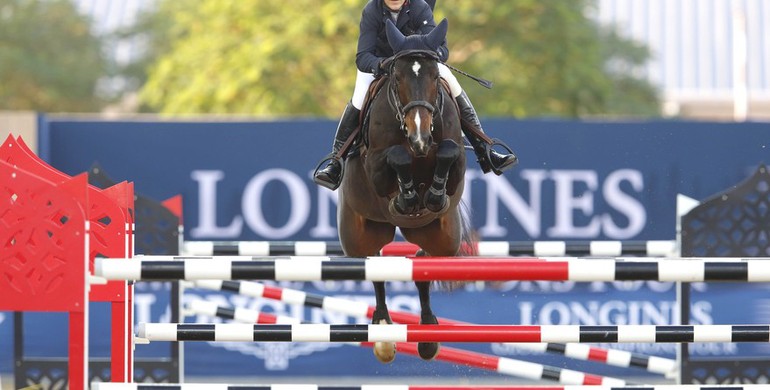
(487, 154)
(329, 157)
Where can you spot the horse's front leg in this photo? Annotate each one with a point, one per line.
(447, 153)
(407, 201)
(384, 351)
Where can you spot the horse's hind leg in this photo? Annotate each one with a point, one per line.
(361, 237)
(447, 153)
(385, 352)
(427, 351)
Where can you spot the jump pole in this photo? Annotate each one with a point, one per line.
(501, 365)
(397, 248)
(353, 308)
(435, 269)
(212, 386)
(455, 333)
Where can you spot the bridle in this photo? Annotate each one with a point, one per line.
(394, 101)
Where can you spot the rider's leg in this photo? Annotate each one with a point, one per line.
(331, 175)
(497, 162)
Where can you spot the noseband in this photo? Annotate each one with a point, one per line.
(395, 103)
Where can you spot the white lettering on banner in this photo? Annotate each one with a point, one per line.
(656, 349)
(632, 285)
(252, 203)
(563, 287)
(620, 201)
(655, 286)
(700, 312)
(608, 312)
(534, 286)
(611, 312)
(148, 286)
(576, 194)
(324, 227)
(207, 208)
(714, 349)
(567, 202)
(529, 216)
(143, 307)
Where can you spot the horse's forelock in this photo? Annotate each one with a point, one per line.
(416, 42)
(418, 53)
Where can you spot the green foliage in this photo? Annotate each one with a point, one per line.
(49, 61)
(546, 58)
(255, 57)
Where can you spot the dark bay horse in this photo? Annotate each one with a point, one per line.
(409, 173)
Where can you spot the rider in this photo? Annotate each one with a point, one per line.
(411, 17)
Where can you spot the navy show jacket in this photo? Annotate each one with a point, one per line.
(415, 17)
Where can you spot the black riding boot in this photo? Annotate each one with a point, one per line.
(331, 175)
(495, 162)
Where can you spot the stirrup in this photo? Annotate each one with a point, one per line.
(329, 157)
(486, 164)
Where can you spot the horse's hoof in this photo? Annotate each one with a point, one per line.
(436, 203)
(396, 207)
(385, 352)
(428, 351)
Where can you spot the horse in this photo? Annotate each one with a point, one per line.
(408, 172)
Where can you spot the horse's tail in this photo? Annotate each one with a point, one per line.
(468, 246)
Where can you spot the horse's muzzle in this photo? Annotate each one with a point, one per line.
(420, 144)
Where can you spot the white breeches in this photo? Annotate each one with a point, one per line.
(363, 80)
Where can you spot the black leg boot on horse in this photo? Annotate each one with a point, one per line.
(489, 159)
(331, 175)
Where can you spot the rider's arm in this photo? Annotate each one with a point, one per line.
(366, 59)
(426, 25)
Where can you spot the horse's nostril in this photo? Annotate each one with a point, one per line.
(419, 145)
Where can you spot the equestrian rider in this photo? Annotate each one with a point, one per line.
(411, 17)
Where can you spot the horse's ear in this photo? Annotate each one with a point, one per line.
(437, 36)
(395, 37)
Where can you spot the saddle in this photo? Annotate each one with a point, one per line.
(357, 137)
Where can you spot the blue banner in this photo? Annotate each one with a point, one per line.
(575, 181)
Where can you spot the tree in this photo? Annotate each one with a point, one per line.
(255, 57)
(547, 58)
(264, 58)
(49, 60)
